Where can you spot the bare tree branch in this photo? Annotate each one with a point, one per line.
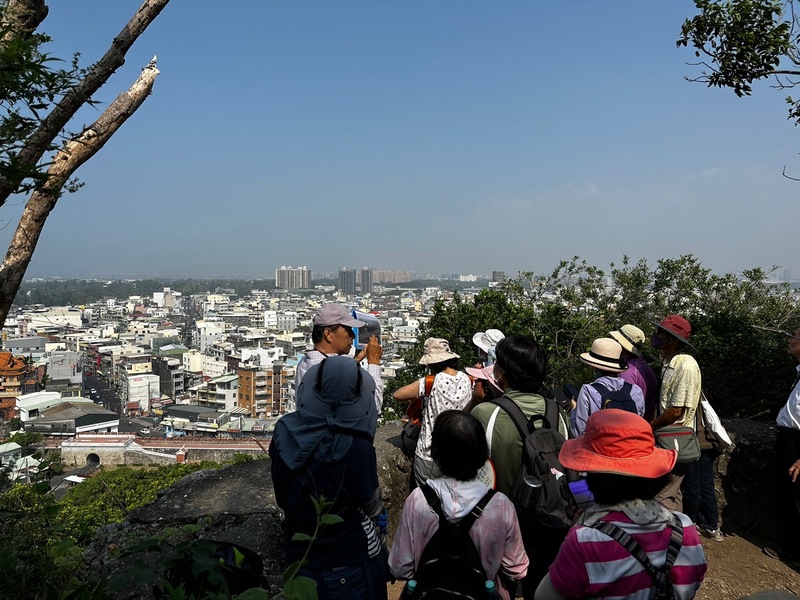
(72, 155)
(54, 123)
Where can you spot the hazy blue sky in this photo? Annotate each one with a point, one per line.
(435, 136)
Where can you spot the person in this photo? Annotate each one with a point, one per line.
(332, 334)
(679, 398)
(639, 372)
(451, 389)
(459, 449)
(605, 357)
(325, 450)
(787, 465)
(624, 471)
(486, 342)
(484, 386)
(520, 370)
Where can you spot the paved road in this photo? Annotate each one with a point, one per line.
(105, 394)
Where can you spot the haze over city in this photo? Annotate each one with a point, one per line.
(446, 137)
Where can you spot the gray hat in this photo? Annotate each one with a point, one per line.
(629, 337)
(336, 314)
(437, 350)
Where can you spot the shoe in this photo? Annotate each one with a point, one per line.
(712, 534)
(780, 554)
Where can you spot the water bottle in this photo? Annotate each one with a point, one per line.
(491, 590)
(411, 587)
(528, 494)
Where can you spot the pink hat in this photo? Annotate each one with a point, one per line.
(486, 373)
(620, 442)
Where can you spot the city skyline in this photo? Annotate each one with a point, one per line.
(437, 138)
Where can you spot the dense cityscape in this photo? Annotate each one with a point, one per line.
(169, 365)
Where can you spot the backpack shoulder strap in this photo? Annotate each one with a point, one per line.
(514, 412)
(477, 510)
(429, 384)
(633, 547)
(601, 389)
(550, 414)
(627, 387)
(434, 502)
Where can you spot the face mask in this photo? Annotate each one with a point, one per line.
(656, 342)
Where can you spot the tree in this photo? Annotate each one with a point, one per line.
(742, 41)
(740, 323)
(37, 105)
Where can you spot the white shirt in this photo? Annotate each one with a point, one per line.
(790, 413)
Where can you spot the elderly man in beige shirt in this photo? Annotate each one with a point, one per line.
(681, 384)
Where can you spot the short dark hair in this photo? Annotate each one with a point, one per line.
(458, 444)
(318, 330)
(450, 363)
(611, 488)
(523, 361)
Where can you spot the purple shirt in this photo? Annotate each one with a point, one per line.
(641, 374)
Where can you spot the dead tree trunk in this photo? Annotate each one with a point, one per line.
(26, 15)
(72, 155)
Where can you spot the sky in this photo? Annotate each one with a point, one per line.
(445, 136)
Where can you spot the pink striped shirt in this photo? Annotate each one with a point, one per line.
(592, 565)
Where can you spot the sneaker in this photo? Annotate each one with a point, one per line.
(712, 534)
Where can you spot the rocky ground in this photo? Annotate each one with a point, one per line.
(237, 504)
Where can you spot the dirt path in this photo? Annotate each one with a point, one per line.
(735, 568)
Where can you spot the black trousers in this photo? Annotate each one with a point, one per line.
(787, 451)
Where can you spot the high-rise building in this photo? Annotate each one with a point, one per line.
(290, 278)
(347, 281)
(498, 276)
(366, 280)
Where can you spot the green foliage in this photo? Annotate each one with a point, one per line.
(31, 83)
(37, 558)
(109, 496)
(739, 323)
(741, 41)
(164, 562)
(26, 440)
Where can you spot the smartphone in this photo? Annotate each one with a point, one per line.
(581, 493)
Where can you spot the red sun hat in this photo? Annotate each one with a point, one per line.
(620, 442)
(678, 326)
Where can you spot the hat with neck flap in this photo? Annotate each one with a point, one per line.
(335, 402)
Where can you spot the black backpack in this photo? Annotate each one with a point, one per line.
(450, 565)
(540, 495)
(620, 399)
(662, 579)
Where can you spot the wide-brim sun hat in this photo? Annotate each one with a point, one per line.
(486, 339)
(437, 350)
(486, 373)
(677, 326)
(630, 337)
(617, 442)
(605, 355)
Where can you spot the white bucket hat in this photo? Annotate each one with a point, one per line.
(486, 339)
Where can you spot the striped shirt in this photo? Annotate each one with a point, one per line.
(592, 565)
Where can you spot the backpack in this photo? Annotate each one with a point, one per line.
(620, 399)
(450, 565)
(662, 580)
(541, 492)
(412, 422)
